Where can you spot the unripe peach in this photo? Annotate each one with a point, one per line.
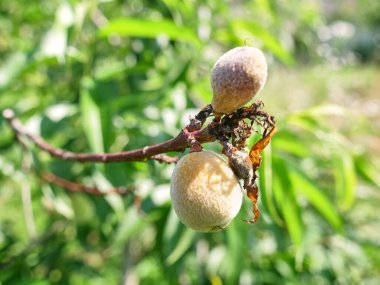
(236, 77)
(205, 193)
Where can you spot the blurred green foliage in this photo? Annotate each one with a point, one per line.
(108, 76)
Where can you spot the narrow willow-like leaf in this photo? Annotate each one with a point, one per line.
(237, 247)
(13, 66)
(284, 141)
(130, 225)
(325, 110)
(172, 235)
(172, 225)
(176, 239)
(345, 180)
(146, 28)
(91, 120)
(185, 241)
(315, 196)
(304, 121)
(367, 170)
(266, 185)
(287, 202)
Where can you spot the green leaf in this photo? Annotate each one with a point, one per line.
(345, 180)
(176, 239)
(146, 28)
(183, 244)
(286, 201)
(114, 200)
(266, 185)
(315, 196)
(367, 170)
(130, 226)
(91, 118)
(172, 227)
(326, 110)
(284, 141)
(13, 66)
(304, 121)
(236, 250)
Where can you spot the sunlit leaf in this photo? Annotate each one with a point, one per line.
(182, 245)
(326, 110)
(316, 197)
(54, 43)
(130, 225)
(117, 69)
(14, 65)
(285, 141)
(145, 28)
(304, 121)
(367, 170)
(345, 180)
(176, 238)
(237, 248)
(58, 112)
(114, 200)
(286, 201)
(266, 184)
(58, 203)
(91, 119)
(171, 227)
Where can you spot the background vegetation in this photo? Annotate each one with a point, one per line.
(96, 76)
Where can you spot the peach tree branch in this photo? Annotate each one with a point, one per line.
(230, 127)
(149, 152)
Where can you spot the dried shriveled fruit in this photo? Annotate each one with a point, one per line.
(236, 78)
(206, 194)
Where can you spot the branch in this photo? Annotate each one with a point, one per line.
(153, 152)
(229, 127)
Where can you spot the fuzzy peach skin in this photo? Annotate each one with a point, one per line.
(205, 193)
(236, 78)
